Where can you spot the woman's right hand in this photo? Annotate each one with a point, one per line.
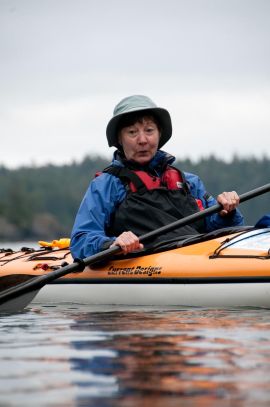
(229, 201)
(128, 242)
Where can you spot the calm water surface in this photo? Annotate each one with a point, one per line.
(74, 355)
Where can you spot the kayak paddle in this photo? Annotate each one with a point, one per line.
(18, 297)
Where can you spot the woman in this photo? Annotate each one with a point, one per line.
(141, 191)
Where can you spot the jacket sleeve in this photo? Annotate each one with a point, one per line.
(88, 235)
(215, 221)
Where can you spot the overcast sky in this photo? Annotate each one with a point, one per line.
(66, 63)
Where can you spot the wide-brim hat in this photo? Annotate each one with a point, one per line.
(138, 103)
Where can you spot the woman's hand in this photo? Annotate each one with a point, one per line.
(229, 201)
(128, 242)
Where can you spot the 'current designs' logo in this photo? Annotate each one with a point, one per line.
(133, 271)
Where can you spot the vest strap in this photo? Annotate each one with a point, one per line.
(127, 176)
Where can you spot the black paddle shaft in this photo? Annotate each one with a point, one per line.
(167, 228)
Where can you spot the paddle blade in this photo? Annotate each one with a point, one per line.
(11, 280)
(17, 304)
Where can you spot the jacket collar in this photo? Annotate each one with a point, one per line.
(158, 163)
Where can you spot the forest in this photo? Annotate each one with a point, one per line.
(40, 203)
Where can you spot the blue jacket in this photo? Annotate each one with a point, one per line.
(105, 193)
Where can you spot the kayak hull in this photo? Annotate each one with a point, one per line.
(163, 294)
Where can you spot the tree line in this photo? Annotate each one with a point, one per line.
(41, 202)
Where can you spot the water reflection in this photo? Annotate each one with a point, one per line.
(199, 355)
(135, 357)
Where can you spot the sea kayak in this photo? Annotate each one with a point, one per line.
(224, 269)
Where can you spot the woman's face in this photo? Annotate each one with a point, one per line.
(140, 140)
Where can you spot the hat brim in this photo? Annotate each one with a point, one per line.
(162, 115)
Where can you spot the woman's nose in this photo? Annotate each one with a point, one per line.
(142, 138)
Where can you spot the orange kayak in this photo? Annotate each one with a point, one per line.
(210, 271)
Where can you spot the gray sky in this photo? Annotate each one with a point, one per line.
(66, 63)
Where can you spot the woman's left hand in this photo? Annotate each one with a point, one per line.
(229, 201)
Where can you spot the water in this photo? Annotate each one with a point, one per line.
(77, 356)
(74, 355)
(18, 245)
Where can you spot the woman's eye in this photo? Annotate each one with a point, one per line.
(132, 132)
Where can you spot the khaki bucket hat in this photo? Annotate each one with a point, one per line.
(138, 103)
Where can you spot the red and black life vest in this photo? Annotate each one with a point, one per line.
(152, 202)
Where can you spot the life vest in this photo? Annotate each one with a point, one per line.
(152, 202)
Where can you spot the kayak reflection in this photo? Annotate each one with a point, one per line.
(204, 356)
